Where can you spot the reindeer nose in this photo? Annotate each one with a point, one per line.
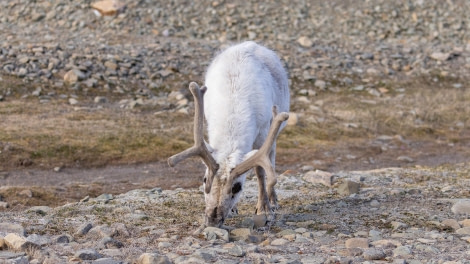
(213, 219)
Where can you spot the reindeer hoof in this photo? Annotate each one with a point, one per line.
(260, 221)
(274, 207)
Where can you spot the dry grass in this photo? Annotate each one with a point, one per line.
(58, 134)
(422, 111)
(32, 196)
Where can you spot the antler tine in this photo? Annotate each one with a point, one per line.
(199, 148)
(261, 157)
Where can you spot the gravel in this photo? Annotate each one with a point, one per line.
(154, 47)
(413, 223)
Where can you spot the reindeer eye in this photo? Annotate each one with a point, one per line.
(236, 188)
(204, 180)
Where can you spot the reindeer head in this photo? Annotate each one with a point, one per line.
(223, 183)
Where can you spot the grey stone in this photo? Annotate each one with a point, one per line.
(236, 251)
(461, 207)
(207, 255)
(22, 72)
(111, 65)
(73, 101)
(440, 56)
(7, 255)
(398, 225)
(109, 242)
(319, 177)
(83, 229)
(164, 244)
(87, 254)
(105, 197)
(402, 251)
(39, 240)
(405, 159)
(212, 233)
(152, 258)
(279, 242)
(74, 76)
(349, 187)
(259, 220)
(91, 82)
(41, 210)
(373, 254)
(63, 239)
(100, 99)
(6, 227)
(367, 56)
(375, 235)
(286, 232)
(320, 84)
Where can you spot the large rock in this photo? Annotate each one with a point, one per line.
(108, 7)
(16, 242)
(240, 233)
(402, 252)
(12, 228)
(319, 177)
(374, 254)
(212, 233)
(349, 187)
(451, 223)
(440, 56)
(74, 76)
(357, 242)
(461, 207)
(463, 231)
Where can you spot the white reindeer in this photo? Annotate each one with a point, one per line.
(245, 86)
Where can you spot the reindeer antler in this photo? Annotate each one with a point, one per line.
(261, 157)
(199, 148)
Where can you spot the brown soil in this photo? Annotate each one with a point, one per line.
(72, 184)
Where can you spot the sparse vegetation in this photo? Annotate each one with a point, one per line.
(57, 134)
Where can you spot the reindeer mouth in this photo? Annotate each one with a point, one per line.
(215, 218)
(214, 222)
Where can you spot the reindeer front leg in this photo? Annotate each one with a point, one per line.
(271, 179)
(262, 207)
(261, 160)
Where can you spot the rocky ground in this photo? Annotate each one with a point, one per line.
(390, 76)
(381, 216)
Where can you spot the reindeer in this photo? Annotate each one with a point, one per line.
(245, 86)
